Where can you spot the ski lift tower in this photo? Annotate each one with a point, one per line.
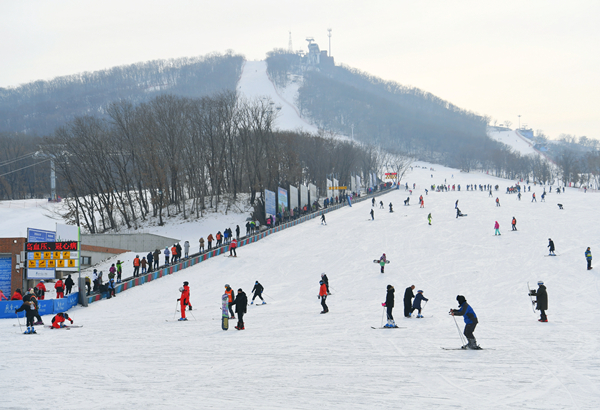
(42, 154)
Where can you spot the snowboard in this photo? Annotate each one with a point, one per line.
(531, 297)
(225, 318)
(377, 261)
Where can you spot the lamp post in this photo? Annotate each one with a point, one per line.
(519, 121)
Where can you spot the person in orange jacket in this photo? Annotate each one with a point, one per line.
(184, 299)
(174, 254)
(219, 238)
(230, 300)
(210, 238)
(514, 224)
(60, 289)
(136, 266)
(232, 247)
(59, 319)
(41, 290)
(323, 296)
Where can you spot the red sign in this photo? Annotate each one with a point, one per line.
(50, 246)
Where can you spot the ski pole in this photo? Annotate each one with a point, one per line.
(190, 312)
(268, 296)
(19, 320)
(382, 313)
(457, 328)
(174, 313)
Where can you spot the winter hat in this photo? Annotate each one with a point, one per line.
(185, 283)
(390, 287)
(540, 282)
(461, 299)
(227, 285)
(419, 291)
(256, 282)
(240, 290)
(42, 281)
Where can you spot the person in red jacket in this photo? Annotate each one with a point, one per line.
(232, 247)
(2, 296)
(57, 321)
(60, 289)
(41, 290)
(323, 296)
(17, 295)
(184, 299)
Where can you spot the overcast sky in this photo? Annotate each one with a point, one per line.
(504, 58)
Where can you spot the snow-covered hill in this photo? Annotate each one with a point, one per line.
(514, 140)
(292, 357)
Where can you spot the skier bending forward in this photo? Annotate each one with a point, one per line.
(470, 318)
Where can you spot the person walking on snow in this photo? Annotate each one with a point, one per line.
(323, 296)
(514, 224)
(241, 303)
(497, 228)
(68, 285)
(323, 220)
(60, 289)
(588, 258)
(325, 280)
(551, 246)
(184, 299)
(417, 303)
(232, 247)
(258, 290)
(389, 306)
(497, 200)
(372, 215)
(408, 297)
(470, 319)
(541, 301)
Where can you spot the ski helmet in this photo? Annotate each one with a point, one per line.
(185, 283)
(540, 282)
(227, 285)
(461, 299)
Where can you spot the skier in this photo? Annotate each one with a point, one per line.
(471, 321)
(541, 301)
(429, 218)
(417, 303)
(120, 270)
(258, 290)
(551, 246)
(30, 306)
(391, 208)
(184, 299)
(372, 215)
(323, 296)
(380, 204)
(110, 287)
(373, 202)
(68, 285)
(514, 224)
(232, 247)
(59, 319)
(241, 302)
(325, 280)
(533, 197)
(41, 290)
(497, 200)
(60, 289)
(230, 299)
(323, 220)
(422, 204)
(497, 229)
(389, 305)
(588, 257)
(136, 266)
(186, 249)
(408, 296)
(167, 253)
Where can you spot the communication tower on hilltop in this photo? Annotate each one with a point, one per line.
(329, 35)
(290, 49)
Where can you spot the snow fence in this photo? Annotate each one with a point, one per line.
(45, 307)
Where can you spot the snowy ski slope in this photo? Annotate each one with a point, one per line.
(290, 356)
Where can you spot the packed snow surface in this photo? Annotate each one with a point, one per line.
(511, 138)
(130, 353)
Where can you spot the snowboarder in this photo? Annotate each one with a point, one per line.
(541, 301)
(497, 229)
(258, 290)
(389, 305)
(30, 306)
(323, 296)
(230, 299)
(471, 321)
(184, 299)
(232, 247)
(325, 280)
(408, 296)
(241, 302)
(59, 319)
(323, 220)
(417, 303)
(372, 215)
(429, 218)
(551, 246)
(60, 289)
(68, 285)
(588, 258)
(514, 224)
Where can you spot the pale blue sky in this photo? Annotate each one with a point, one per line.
(503, 58)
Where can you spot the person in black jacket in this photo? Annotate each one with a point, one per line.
(30, 306)
(68, 285)
(541, 301)
(551, 246)
(408, 296)
(258, 290)
(389, 305)
(241, 301)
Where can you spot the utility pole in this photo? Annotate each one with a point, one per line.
(329, 35)
(290, 49)
(519, 121)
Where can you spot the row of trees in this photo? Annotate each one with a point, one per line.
(178, 155)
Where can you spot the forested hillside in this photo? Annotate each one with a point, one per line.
(42, 106)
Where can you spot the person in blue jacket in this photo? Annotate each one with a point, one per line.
(417, 303)
(470, 318)
(588, 257)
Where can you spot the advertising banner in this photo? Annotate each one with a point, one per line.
(293, 197)
(312, 191)
(282, 200)
(69, 233)
(35, 236)
(358, 185)
(5, 274)
(303, 195)
(270, 206)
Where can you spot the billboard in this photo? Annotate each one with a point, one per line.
(282, 200)
(69, 233)
(293, 197)
(5, 274)
(303, 195)
(270, 207)
(35, 272)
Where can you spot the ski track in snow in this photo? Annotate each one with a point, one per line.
(292, 357)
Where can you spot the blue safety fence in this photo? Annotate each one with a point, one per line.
(45, 307)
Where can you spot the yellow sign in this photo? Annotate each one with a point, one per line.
(31, 263)
(37, 255)
(47, 255)
(60, 263)
(337, 187)
(66, 255)
(71, 263)
(55, 255)
(42, 264)
(51, 263)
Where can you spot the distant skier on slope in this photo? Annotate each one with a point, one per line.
(541, 301)
(551, 246)
(323, 222)
(372, 215)
(184, 299)
(497, 200)
(389, 305)
(514, 223)
(258, 290)
(230, 300)
(429, 218)
(30, 306)
(470, 319)
(417, 303)
(588, 258)
(408, 297)
(391, 208)
(323, 296)
(325, 280)
(497, 228)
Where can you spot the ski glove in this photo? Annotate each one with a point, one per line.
(383, 304)
(178, 300)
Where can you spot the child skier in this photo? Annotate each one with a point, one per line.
(184, 299)
(59, 319)
(30, 306)
(470, 319)
(417, 303)
(323, 220)
(389, 305)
